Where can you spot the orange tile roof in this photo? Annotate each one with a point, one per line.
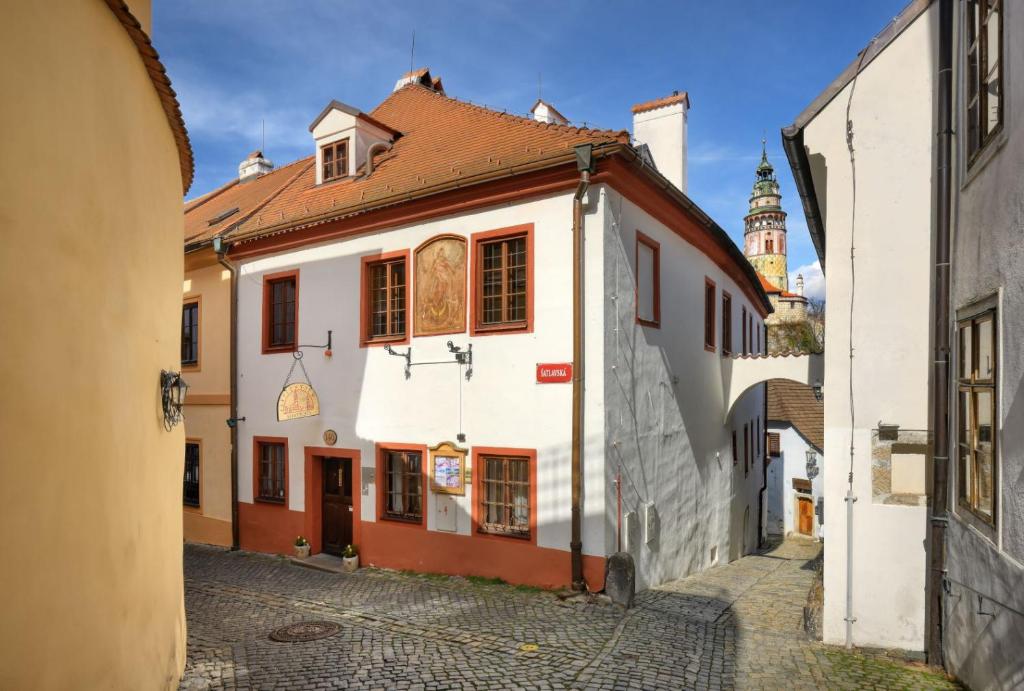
(677, 97)
(247, 197)
(768, 286)
(443, 140)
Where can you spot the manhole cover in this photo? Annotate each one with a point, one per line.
(304, 631)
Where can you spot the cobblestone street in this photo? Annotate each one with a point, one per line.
(734, 626)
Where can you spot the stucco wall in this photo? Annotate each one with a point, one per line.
(792, 463)
(988, 259)
(90, 481)
(667, 430)
(208, 403)
(892, 107)
(366, 399)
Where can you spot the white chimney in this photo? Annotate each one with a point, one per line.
(799, 284)
(545, 112)
(661, 125)
(254, 166)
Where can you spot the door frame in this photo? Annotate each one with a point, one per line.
(315, 493)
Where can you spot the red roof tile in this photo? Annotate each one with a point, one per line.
(793, 402)
(677, 97)
(443, 140)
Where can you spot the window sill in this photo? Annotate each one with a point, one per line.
(273, 502)
(525, 537)
(710, 348)
(192, 508)
(489, 329)
(399, 520)
(654, 324)
(973, 168)
(272, 350)
(383, 341)
(979, 523)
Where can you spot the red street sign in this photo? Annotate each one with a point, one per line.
(554, 372)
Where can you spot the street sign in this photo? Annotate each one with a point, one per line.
(554, 372)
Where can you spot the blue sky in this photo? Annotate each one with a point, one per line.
(749, 67)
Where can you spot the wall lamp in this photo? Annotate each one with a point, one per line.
(172, 397)
(812, 464)
(819, 392)
(233, 421)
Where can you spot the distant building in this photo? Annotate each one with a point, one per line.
(796, 441)
(765, 246)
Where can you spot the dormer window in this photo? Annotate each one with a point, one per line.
(335, 160)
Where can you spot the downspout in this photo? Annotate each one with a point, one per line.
(764, 466)
(585, 164)
(940, 335)
(233, 369)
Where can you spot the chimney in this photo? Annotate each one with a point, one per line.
(799, 284)
(661, 125)
(253, 167)
(543, 111)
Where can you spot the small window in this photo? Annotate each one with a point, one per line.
(335, 160)
(505, 495)
(743, 325)
(386, 299)
(984, 73)
(709, 314)
(190, 333)
(746, 450)
(976, 416)
(270, 479)
(757, 444)
(774, 445)
(648, 280)
(726, 323)
(502, 291)
(403, 485)
(769, 246)
(758, 351)
(190, 485)
(280, 304)
(735, 452)
(750, 333)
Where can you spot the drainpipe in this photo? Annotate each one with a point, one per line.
(221, 251)
(764, 466)
(940, 335)
(585, 163)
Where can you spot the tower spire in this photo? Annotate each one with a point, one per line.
(764, 231)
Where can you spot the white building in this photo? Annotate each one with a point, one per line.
(796, 439)
(429, 229)
(921, 236)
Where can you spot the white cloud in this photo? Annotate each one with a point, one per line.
(814, 280)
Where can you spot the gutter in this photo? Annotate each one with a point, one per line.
(940, 329)
(233, 368)
(793, 145)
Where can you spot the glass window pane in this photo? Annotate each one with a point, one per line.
(965, 351)
(986, 354)
(964, 445)
(645, 262)
(984, 450)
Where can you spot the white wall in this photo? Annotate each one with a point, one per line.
(791, 463)
(892, 115)
(665, 407)
(365, 398)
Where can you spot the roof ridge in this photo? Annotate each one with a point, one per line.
(273, 194)
(521, 118)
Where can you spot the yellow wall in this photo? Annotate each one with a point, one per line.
(208, 402)
(91, 268)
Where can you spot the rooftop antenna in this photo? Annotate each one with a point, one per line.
(263, 134)
(540, 84)
(412, 51)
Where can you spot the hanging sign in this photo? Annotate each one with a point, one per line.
(297, 400)
(447, 466)
(554, 372)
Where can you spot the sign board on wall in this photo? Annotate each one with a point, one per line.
(554, 372)
(447, 469)
(297, 400)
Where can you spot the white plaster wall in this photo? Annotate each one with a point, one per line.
(891, 113)
(792, 463)
(665, 407)
(365, 398)
(663, 130)
(988, 259)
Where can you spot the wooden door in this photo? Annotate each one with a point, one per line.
(806, 516)
(337, 505)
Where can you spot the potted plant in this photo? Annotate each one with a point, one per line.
(350, 558)
(301, 547)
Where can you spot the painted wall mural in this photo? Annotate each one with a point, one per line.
(440, 286)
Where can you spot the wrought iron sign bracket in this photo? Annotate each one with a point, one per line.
(326, 348)
(462, 357)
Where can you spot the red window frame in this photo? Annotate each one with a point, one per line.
(366, 266)
(257, 453)
(337, 167)
(478, 240)
(479, 452)
(710, 298)
(743, 323)
(382, 449)
(655, 246)
(269, 281)
(726, 323)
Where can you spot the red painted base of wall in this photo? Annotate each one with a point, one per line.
(273, 528)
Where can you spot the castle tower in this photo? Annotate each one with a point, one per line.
(764, 227)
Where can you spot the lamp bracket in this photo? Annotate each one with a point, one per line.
(462, 357)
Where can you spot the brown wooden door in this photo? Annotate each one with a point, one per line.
(806, 517)
(337, 505)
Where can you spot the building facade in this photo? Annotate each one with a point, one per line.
(427, 301)
(795, 503)
(978, 629)
(92, 596)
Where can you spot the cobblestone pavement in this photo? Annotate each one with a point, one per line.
(733, 626)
